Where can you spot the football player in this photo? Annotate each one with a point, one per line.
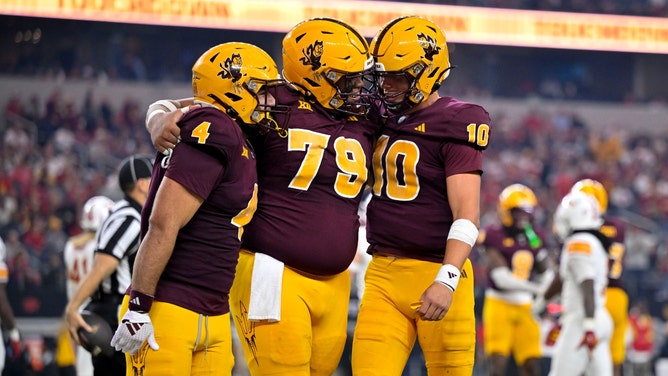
(176, 316)
(423, 217)
(290, 296)
(616, 298)
(7, 318)
(583, 344)
(116, 244)
(518, 268)
(78, 257)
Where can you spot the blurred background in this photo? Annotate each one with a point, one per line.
(74, 92)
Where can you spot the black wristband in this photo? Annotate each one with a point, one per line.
(140, 302)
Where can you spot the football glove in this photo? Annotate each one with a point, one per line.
(589, 340)
(553, 334)
(134, 329)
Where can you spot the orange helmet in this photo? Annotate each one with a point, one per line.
(515, 196)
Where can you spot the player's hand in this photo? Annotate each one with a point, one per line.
(15, 345)
(165, 134)
(553, 334)
(74, 322)
(589, 340)
(436, 301)
(135, 328)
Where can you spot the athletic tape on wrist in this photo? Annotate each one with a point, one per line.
(589, 324)
(140, 302)
(153, 113)
(14, 335)
(169, 105)
(448, 275)
(464, 230)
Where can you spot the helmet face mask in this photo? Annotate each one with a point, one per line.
(238, 78)
(403, 84)
(353, 91)
(417, 48)
(328, 61)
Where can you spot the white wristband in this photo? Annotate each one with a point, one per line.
(163, 102)
(449, 276)
(153, 113)
(589, 324)
(14, 335)
(464, 230)
(170, 107)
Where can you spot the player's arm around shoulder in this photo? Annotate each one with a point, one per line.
(162, 120)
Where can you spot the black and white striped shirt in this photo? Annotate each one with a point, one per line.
(119, 237)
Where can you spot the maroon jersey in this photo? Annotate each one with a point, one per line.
(409, 214)
(515, 248)
(613, 228)
(310, 185)
(214, 161)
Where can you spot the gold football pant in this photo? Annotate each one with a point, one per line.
(510, 328)
(617, 303)
(310, 337)
(387, 325)
(190, 344)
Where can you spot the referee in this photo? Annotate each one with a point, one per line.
(117, 242)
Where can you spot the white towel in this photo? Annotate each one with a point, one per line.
(266, 284)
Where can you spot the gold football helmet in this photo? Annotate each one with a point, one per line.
(415, 48)
(515, 196)
(236, 78)
(329, 62)
(595, 189)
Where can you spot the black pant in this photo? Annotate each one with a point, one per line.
(103, 365)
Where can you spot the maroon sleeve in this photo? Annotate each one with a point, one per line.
(461, 158)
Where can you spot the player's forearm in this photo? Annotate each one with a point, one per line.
(151, 261)
(155, 250)
(103, 266)
(157, 109)
(6, 313)
(503, 278)
(164, 106)
(85, 290)
(587, 287)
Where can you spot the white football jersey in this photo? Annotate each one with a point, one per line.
(78, 259)
(582, 257)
